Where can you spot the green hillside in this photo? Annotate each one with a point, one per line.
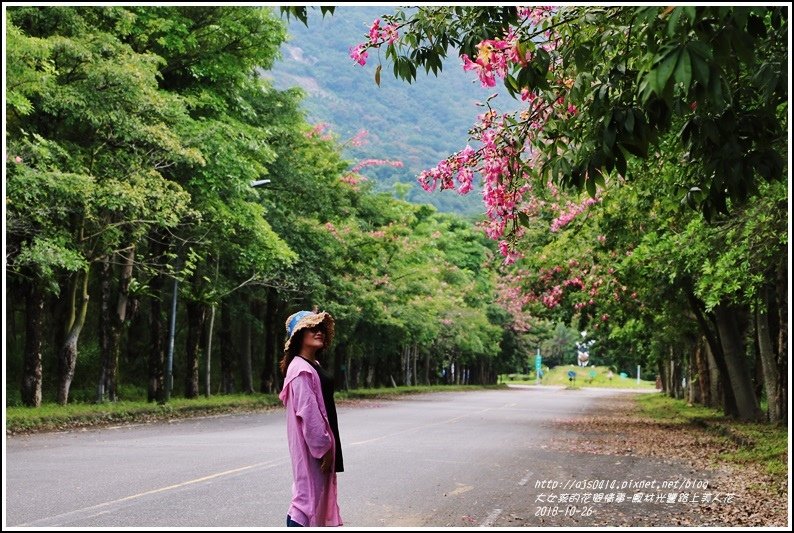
(418, 124)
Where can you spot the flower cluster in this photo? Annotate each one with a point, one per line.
(494, 56)
(352, 179)
(511, 297)
(458, 165)
(378, 35)
(535, 14)
(318, 130)
(571, 211)
(359, 139)
(374, 163)
(359, 53)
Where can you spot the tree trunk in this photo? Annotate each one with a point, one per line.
(703, 376)
(427, 367)
(782, 343)
(404, 363)
(34, 336)
(718, 357)
(715, 389)
(67, 359)
(120, 319)
(227, 351)
(768, 361)
(208, 360)
(672, 375)
(111, 323)
(137, 340)
(370, 374)
(105, 275)
(415, 353)
(278, 340)
(270, 336)
(196, 318)
(156, 363)
(733, 349)
(347, 370)
(662, 377)
(247, 352)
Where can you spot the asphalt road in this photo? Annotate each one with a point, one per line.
(446, 459)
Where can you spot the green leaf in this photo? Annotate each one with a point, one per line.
(701, 69)
(620, 162)
(609, 137)
(664, 71)
(377, 75)
(511, 83)
(715, 88)
(672, 22)
(628, 123)
(701, 50)
(590, 183)
(683, 69)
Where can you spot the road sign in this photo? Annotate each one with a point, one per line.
(537, 367)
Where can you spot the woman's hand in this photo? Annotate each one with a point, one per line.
(327, 461)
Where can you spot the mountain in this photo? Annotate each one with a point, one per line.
(419, 123)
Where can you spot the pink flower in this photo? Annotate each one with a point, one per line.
(465, 176)
(527, 95)
(390, 33)
(359, 54)
(316, 130)
(352, 179)
(374, 30)
(465, 155)
(427, 181)
(359, 139)
(17, 160)
(374, 163)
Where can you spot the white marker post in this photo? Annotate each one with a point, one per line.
(638, 374)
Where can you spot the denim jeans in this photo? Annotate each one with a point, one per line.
(292, 523)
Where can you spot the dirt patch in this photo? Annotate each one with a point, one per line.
(734, 495)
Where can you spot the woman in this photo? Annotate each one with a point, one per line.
(312, 429)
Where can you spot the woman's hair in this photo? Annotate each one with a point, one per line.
(294, 349)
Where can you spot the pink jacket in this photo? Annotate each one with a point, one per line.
(309, 436)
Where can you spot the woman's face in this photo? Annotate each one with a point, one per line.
(314, 337)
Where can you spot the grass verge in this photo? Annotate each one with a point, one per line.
(53, 417)
(749, 443)
(589, 376)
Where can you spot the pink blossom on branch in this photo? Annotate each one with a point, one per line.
(374, 31)
(352, 179)
(359, 53)
(374, 163)
(359, 139)
(572, 210)
(317, 130)
(390, 34)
